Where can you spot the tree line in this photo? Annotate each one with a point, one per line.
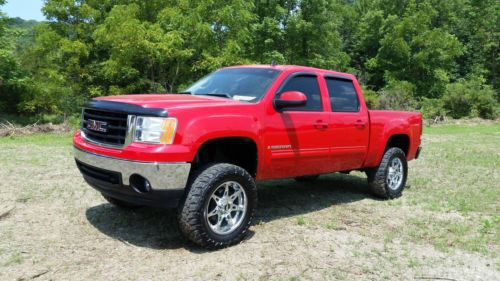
(437, 56)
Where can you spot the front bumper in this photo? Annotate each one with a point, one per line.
(111, 176)
(160, 175)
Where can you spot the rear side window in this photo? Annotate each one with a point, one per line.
(343, 96)
(308, 85)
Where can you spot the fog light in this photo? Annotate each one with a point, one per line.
(140, 183)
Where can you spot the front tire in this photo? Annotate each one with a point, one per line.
(219, 206)
(389, 178)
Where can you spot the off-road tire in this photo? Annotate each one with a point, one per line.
(120, 204)
(307, 178)
(377, 177)
(191, 218)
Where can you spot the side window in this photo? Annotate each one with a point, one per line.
(308, 85)
(343, 96)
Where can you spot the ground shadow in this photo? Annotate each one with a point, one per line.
(157, 228)
(285, 198)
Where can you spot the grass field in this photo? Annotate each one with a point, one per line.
(446, 225)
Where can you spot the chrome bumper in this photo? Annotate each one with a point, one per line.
(161, 175)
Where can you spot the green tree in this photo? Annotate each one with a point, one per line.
(405, 52)
(312, 36)
(415, 51)
(13, 80)
(470, 98)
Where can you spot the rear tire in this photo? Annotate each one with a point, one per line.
(219, 206)
(120, 204)
(389, 178)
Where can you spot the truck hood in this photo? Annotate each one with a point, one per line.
(168, 101)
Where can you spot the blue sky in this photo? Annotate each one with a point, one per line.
(25, 9)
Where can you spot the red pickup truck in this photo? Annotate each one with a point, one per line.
(203, 150)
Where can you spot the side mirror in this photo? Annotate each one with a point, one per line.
(290, 99)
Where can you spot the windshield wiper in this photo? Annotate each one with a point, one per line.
(224, 95)
(185, 93)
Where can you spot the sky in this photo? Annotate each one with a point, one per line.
(25, 9)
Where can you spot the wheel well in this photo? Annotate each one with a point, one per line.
(239, 151)
(400, 141)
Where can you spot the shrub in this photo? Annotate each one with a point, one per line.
(371, 99)
(470, 98)
(398, 95)
(432, 108)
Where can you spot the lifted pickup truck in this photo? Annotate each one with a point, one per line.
(203, 150)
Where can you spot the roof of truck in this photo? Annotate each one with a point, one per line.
(295, 68)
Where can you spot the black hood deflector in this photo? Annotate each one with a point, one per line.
(127, 108)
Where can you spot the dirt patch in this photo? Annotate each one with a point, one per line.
(56, 227)
(9, 129)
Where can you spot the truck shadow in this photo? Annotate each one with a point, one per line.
(157, 228)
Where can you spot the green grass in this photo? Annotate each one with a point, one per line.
(333, 225)
(448, 234)
(452, 202)
(452, 129)
(38, 139)
(458, 174)
(451, 207)
(15, 258)
(461, 169)
(301, 220)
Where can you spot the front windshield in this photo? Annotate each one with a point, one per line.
(244, 84)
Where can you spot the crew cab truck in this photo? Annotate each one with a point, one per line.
(203, 150)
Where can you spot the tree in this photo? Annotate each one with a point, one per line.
(413, 50)
(400, 50)
(13, 81)
(312, 36)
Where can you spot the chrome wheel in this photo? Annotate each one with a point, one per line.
(395, 174)
(226, 208)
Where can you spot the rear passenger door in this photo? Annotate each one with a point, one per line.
(348, 125)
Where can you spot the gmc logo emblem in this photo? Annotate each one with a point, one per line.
(98, 126)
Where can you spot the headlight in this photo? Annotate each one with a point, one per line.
(155, 130)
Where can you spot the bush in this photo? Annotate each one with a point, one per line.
(398, 95)
(432, 108)
(470, 98)
(371, 99)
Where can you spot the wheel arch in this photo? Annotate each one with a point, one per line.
(239, 150)
(400, 140)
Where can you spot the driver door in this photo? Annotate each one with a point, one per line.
(296, 139)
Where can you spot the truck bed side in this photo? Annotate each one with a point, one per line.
(400, 126)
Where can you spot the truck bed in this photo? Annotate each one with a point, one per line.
(401, 122)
